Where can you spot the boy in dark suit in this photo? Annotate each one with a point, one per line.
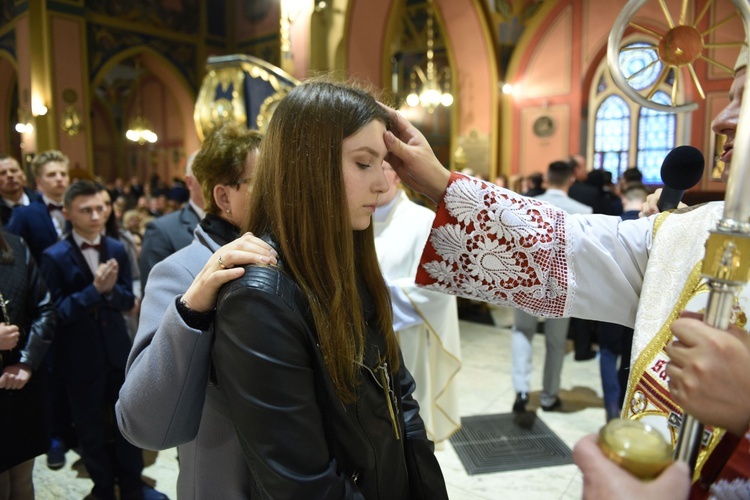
(88, 276)
(42, 222)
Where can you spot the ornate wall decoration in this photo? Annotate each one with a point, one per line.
(509, 19)
(544, 126)
(8, 43)
(71, 122)
(242, 89)
(474, 151)
(105, 42)
(7, 11)
(153, 13)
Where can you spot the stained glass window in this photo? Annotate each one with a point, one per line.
(640, 64)
(656, 138)
(624, 134)
(612, 135)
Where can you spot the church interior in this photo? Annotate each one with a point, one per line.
(501, 88)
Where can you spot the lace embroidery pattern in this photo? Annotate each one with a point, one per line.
(496, 246)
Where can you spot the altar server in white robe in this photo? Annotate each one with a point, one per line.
(425, 322)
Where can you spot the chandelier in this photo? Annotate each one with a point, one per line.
(436, 85)
(139, 129)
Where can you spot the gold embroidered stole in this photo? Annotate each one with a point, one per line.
(668, 289)
(649, 399)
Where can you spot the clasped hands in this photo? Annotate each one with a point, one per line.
(105, 277)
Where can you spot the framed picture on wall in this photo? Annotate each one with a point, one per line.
(544, 126)
(717, 166)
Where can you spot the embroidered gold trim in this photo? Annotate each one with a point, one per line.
(656, 346)
(659, 221)
(434, 335)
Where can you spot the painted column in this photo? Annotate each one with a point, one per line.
(52, 80)
(38, 95)
(70, 101)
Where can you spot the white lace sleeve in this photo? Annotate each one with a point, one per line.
(493, 245)
(499, 247)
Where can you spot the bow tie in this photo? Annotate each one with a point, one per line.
(85, 246)
(52, 207)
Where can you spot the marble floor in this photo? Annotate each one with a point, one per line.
(485, 389)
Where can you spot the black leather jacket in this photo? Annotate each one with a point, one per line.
(298, 439)
(28, 306)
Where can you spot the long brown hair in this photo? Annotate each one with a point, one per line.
(299, 196)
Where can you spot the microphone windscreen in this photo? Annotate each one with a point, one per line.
(682, 168)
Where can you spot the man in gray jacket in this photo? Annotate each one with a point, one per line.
(167, 399)
(167, 234)
(559, 179)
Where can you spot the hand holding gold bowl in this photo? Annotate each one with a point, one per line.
(636, 447)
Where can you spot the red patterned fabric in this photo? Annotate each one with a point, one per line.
(726, 473)
(493, 245)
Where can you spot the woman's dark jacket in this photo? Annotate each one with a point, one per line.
(23, 416)
(298, 439)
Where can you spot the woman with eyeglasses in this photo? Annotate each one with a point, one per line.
(167, 381)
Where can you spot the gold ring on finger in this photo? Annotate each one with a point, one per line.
(221, 263)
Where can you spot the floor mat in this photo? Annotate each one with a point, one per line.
(508, 441)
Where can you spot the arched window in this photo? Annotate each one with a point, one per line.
(656, 138)
(621, 133)
(612, 136)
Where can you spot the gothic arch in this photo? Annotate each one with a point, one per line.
(165, 71)
(166, 81)
(470, 49)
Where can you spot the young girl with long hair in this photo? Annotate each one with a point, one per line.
(305, 351)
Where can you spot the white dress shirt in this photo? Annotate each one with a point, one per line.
(22, 201)
(58, 219)
(90, 254)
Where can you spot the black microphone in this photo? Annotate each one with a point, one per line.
(682, 169)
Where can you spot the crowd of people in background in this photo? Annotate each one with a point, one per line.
(582, 191)
(595, 188)
(69, 256)
(136, 203)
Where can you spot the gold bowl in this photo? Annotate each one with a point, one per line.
(636, 447)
